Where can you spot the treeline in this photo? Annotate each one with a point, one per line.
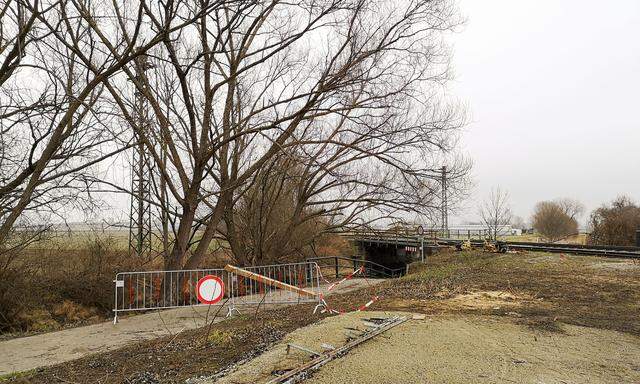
(611, 224)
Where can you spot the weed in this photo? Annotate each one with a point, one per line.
(219, 337)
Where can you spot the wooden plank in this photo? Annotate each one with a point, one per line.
(269, 281)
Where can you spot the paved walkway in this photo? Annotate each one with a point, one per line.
(32, 352)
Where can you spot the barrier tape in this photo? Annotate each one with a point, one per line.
(349, 276)
(325, 305)
(361, 308)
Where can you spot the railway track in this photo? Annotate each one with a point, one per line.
(576, 249)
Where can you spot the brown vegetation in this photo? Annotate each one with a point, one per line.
(58, 286)
(556, 220)
(615, 224)
(64, 281)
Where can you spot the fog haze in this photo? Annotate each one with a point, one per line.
(552, 89)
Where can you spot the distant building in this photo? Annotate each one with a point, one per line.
(480, 229)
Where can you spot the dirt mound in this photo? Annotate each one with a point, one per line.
(485, 300)
(329, 331)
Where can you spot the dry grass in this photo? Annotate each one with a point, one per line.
(52, 286)
(552, 288)
(67, 279)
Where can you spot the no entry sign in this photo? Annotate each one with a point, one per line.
(210, 289)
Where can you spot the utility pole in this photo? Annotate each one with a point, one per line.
(443, 208)
(420, 231)
(140, 210)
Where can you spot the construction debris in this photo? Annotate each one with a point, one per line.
(328, 347)
(268, 281)
(301, 348)
(300, 373)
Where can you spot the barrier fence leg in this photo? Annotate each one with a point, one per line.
(321, 306)
(115, 301)
(232, 309)
(232, 306)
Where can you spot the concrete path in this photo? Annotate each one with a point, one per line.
(32, 352)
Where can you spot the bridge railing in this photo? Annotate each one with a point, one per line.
(342, 266)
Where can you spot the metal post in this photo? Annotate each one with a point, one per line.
(422, 248)
(445, 218)
(337, 272)
(115, 301)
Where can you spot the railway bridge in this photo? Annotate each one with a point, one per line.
(395, 250)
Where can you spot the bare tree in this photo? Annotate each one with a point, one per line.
(555, 220)
(264, 225)
(246, 81)
(571, 207)
(496, 212)
(518, 222)
(55, 118)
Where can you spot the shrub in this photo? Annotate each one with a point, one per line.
(51, 285)
(615, 224)
(553, 221)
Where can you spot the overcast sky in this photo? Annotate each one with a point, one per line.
(553, 91)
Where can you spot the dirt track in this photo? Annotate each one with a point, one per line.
(47, 349)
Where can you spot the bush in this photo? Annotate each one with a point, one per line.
(12, 305)
(53, 285)
(615, 224)
(554, 221)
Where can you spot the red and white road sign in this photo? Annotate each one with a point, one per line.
(210, 289)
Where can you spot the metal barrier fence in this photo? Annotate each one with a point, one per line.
(142, 291)
(342, 266)
(302, 275)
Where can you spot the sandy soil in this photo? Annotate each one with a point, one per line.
(329, 331)
(625, 265)
(489, 350)
(47, 349)
(444, 349)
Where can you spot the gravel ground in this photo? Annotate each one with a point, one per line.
(626, 265)
(488, 350)
(327, 331)
(444, 349)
